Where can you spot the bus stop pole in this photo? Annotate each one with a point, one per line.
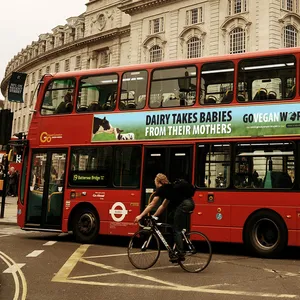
(5, 180)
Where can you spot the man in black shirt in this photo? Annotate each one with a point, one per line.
(179, 196)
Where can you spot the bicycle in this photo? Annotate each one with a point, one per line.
(145, 243)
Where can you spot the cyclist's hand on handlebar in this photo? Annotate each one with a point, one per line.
(154, 217)
(137, 219)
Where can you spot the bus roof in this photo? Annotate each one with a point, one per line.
(178, 62)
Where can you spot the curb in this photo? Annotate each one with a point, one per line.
(8, 223)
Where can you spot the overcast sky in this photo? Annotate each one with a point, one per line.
(22, 21)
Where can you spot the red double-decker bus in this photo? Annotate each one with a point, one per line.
(229, 124)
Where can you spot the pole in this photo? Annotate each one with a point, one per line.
(5, 180)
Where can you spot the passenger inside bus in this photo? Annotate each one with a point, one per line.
(65, 106)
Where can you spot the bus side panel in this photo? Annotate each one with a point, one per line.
(213, 219)
(116, 209)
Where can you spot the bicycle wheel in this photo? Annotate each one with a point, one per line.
(143, 249)
(198, 252)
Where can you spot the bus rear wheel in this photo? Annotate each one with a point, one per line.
(86, 225)
(265, 234)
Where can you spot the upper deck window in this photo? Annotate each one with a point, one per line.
(58, 98)
(267, 78)
(97, 93)
(173, 87)
(217, 82)
(134, 88)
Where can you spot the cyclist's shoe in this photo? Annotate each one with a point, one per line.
(174, 259)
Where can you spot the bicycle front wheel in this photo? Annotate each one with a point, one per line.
(143, 249)
(198, 252)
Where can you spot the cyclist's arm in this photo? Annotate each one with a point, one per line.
(161, 208)
(150, 206)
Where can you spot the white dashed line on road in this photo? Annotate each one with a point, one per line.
(35, 253)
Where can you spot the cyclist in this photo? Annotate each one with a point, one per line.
(179, 196)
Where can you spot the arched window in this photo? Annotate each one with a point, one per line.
(237, 41)
(155, 54)
(290, 36)
(194, 47)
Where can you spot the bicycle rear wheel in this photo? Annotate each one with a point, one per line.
(198, 252)
(143, 249)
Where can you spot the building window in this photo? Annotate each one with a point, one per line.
(155, 54)
(290, 5)
(104, 59)
(290, 36)
(48, 70)
(237, 41)
(31, 99)
(25, 99)
(23, 123)
(236, 6)
(33, 77)
(194, 47)
(56, 67)
(29, 120)
(67, 65)
(194, 16)
(78, 62)
(19, 124)
(40, 74)
(156, 25)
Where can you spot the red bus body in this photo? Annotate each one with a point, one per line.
(221, 213)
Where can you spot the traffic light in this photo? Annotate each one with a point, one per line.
(6, 119)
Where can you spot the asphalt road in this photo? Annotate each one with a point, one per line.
(43, 266)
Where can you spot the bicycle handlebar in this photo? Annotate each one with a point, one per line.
(153, 219)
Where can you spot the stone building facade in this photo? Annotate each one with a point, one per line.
(120, 32)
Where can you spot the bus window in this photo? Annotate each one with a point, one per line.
(91, 166)
(97, 93)
(59, 97)
(267, 78)
(133, 94)
(213, 166)
(217, 83)
(173, 87)
(264, 165)
(127, 166)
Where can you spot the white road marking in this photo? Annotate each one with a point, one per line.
(50, 243)
(78, 256)
(4, 235)
(10, 262)
(35, 253)
(16, 279)
(14, 268)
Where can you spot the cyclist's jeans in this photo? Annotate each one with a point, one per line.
(181, 221)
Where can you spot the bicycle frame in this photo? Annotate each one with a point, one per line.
(154, 227)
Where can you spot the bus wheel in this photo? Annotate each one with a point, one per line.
(86, 225)
(265, 234)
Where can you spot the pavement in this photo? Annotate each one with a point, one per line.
(10, 211)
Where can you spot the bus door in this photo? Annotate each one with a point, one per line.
(46, 189)
(174, 161)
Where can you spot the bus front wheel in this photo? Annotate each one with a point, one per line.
(265, 234)
(86, 225)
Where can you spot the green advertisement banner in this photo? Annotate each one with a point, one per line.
(199, 123)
